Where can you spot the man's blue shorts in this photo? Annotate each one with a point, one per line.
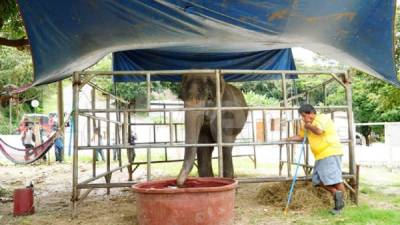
(328, 171)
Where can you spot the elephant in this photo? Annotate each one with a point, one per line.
(199, 90)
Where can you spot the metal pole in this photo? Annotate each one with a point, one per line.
(148, 108)
(75, 101)
(219, 124)
(108, 178)
(285, 103)
(93, 104)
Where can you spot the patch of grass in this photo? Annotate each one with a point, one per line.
(365, 214)
(367, 190)
(4, 192)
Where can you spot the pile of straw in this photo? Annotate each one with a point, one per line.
(304, 197)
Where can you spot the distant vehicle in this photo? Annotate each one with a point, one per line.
(46, 124)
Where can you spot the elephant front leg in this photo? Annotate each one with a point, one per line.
(227, 161)
(204, 159)
(190, 155)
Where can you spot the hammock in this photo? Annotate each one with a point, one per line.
(29, 155)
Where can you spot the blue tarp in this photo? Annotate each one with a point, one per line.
(166, 60)
(67, 36)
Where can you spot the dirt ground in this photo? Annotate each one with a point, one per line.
(52, 185)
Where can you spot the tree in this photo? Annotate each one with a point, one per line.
(12, 31)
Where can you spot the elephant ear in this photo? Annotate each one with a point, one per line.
(184, 78)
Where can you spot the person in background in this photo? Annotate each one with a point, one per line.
(28, 137)
(327, 150)
(131, 151)
(58, 147)
(97, 140)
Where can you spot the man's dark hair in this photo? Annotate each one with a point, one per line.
(307, 108)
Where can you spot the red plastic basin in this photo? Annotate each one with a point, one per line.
(23, 202)
(203, 201)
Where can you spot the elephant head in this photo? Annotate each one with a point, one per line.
(198, 91)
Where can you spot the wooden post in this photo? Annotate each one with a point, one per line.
(75, 101)
(60, 112)
(349, 101)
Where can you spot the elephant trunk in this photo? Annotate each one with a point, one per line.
(193, 123)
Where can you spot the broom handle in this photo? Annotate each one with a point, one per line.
(295, 174)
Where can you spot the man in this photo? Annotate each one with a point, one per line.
(58, 147)
(327, 150)
(28, 138)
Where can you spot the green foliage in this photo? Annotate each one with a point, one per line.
(253, 99)
(11, 24)
(16, 69)
(269, 89)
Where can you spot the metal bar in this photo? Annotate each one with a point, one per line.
(156, 124)
(85, 194)
(100, 118)
(176, 133)
(348, 186)
(203, 71)
(103, 185)
(338, 80)
(148, 165)
(87, 79)
(94, 86)
(103, 174)
(219, 124)
(171, 130)
(310, 89)
(265, 125)
(253, 133)
(108, 139)
(88, 131)
(285, 104)
(280, 179)
(212, 108)
(148, 151)
(75, 102)
(177, 145)
(93, 104)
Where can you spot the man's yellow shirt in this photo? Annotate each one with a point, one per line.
(326, 144)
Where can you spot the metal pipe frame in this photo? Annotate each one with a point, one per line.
(77, 85)
(178, 145)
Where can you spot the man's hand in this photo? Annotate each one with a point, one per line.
(294, 138)
(312, 128)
